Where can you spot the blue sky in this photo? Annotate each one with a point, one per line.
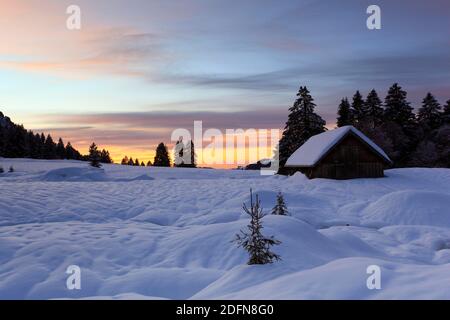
(222, 61)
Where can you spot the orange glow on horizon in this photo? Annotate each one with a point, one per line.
(119, 152)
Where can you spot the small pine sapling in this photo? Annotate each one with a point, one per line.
(280, 208)
(252, 240)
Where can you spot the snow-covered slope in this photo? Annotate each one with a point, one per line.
(140, 232)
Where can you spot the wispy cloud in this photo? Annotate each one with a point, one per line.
(98, 52)
(265, 118)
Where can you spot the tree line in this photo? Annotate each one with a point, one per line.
(184, 156)
(410, 139)
(17, 142)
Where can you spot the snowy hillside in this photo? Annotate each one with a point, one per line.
(139, 232)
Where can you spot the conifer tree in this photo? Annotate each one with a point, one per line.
(124, 161)
(11, 169)
(42, 143)
(178, 160)
(400, 126)
(149, 163)
(142, 164)
(131, 162)
(136, 162)
(94, 156)
(344, 114)
(162, 158)
(447, 108)
(280, 207)
(302, 124)
(190, 156)
(446, 113)
(49, 148)
(105, 157)
(60, 150)
(33, 145)
(397, 108)
(252, 240)
(429, 115)
(374, 110)
(358, 109)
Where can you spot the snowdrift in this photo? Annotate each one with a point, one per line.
(410, 207)
(74, 174)
(77, 174)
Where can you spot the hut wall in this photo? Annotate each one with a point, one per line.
(351, 158)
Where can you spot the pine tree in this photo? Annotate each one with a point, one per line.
(302, 124)
(280, 207)
(131, 162)
(105, 157)
(185, 154)
(142, 164)
(446, 113)
(447, 108)
(429, 115)
(397, 108)
(149, 163)
(358, 109)
(60, 150)
(252, 240)
(125, 161)
(162, 158)
(344, 114)
(94, 156)
(49, 148)
(42, 144)
(178, 153)
(72, 153)
(33, 144)
(374, 110)
(136, 162)
(400, 126)
(190, 156)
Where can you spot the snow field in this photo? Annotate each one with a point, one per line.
(160, 233)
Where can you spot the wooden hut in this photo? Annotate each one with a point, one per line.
(343, 153)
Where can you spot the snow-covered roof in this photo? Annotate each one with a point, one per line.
(317, 146)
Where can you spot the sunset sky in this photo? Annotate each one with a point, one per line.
(139, 69)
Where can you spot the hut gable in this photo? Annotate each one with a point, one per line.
(339, 154)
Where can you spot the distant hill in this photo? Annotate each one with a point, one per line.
(18, 142)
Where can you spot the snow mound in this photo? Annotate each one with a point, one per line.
(142, 177)
(86, 174)
(74, 174)
(410, 207)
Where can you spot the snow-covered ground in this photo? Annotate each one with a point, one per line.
(159, 233)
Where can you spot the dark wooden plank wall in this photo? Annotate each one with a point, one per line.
(351, 158)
